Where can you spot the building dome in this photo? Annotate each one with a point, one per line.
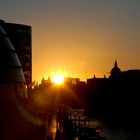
(115, 71)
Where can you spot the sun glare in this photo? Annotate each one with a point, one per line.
(58, 78)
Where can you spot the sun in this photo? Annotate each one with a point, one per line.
(58, 78)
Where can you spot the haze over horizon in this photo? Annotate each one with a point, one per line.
(79, 37)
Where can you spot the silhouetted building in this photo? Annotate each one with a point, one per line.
(10, 67)
(14, 122)
(115, 100)
(71, 81)
(115, 70)
(20, 37)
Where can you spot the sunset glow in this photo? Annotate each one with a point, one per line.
(83, 38)
(58, 78)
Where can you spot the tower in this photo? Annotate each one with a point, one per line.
(115, 71)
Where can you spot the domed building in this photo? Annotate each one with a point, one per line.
(116, 71)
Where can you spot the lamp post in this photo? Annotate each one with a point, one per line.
(85, 121)
(74, 118)
(79, 117)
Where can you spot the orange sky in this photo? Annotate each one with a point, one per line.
(80, 38)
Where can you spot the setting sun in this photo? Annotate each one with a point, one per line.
(58, 78)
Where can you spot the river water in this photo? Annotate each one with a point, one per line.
(112, 134)
(118, 134)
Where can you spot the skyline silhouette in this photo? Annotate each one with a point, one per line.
(70, 69)
(60, 76)
(46, 110)
(79, 36)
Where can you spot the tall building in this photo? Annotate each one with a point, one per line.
(15, 119)
(20, 37)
